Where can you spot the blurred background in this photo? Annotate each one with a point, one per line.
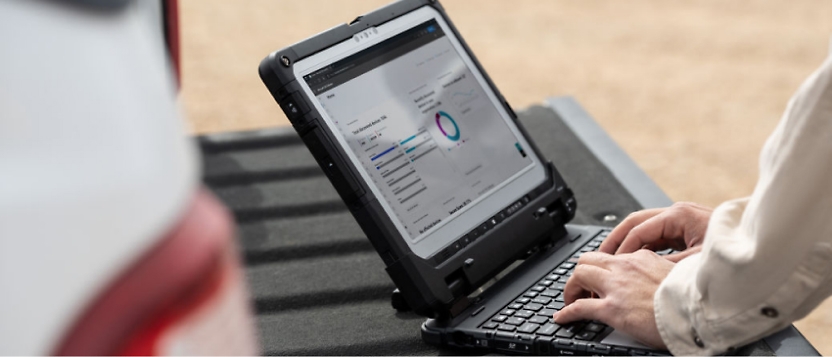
(690, 90)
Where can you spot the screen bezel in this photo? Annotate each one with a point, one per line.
(502, 195)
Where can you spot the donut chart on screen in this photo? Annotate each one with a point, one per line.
(450, 137)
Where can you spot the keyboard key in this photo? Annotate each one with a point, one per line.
(594, 327)
(541, 300)
(530, 294)
(545, 282)
(557, 305)
(604, 350)
(563, 279)
(523, 300)
(546, 312)
(524, 314)
(507, 312)
(585, 335)
(565, 333)
(560, 271)
(547, 329)
(593, 244)
(528, 328)
(570, 330)
(540, 319)
(505, 327)
(560, 342)
(490, 325)
(619, 351)
(515, 306)
(538, 288)
(499, 318)
(559, 298)
(553, 277)
(515, 321)
(533, 306)
(558, 286)
(550, 293)
(567, 266)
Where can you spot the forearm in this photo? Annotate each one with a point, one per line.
(766, 259)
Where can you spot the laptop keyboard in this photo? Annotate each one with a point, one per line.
(531, 312)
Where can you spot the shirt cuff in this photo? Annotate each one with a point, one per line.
(676, 307)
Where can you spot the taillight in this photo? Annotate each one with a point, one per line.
(186, 296)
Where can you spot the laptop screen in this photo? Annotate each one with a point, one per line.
(431, 139)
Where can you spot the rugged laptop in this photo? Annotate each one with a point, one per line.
(440, 175)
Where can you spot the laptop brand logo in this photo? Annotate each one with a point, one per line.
(363, 35)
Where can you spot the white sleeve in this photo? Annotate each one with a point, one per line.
(767, 259)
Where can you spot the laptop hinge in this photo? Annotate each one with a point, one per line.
(459, 305)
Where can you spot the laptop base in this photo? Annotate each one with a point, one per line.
(502, 305)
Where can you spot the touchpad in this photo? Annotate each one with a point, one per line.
(619, 339)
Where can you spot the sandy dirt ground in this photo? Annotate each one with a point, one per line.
(689, 89)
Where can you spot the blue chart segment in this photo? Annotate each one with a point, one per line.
(456, 134)
(374, 158)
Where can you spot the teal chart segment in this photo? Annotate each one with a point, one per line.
(456, 135)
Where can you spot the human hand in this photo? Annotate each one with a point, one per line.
(625, 285)
(681, 227)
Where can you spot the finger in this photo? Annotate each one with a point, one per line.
(666, 243)
(598, 259)
(614, 239)
(676, 257)
(585, 279)
(660, 226)
(584, 309)
(678, 226)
